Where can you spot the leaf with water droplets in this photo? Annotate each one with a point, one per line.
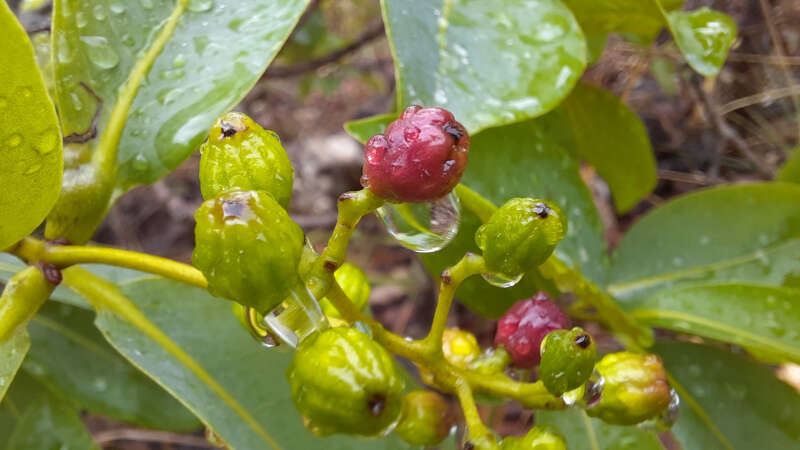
(584, 432)
(33, 418)
(203, 70)
(639, 18)
(747, 233)
(763, 319)
(729, 401)
(490, 63)
(30, 145)
(704, 37)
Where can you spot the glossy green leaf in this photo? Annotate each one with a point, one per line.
(637, 17)
(215, 54)
(490, 63)
(586, 433)
(747, 233)
(704, 37)
(254, 376)
(790, 171)
(69, 355)
(728, 401)
(610, 137)
(30, 143)
(764, 319)
(12, 353)
(32, 418)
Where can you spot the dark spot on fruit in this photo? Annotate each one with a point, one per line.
(330, 266)
(541, 210)
(229, 129)
(232, 208)
(376, 404)
(453, 130)
(583, 340)
(469, 445)
(51, 273)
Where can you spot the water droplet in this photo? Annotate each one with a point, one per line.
(62, 53)
(2, 381)
(704, 240)
(14, 140)
(200, 43)
(422, 227)
(81, 20)
(100, 384)
(77, 104)
(99, 12)
(140, 163)
(297, 317)
(593, 390)
(500, 280)
(234, 24)
(147, 4)
(174, 74)
(100, 52)
(128, 40)
(677, 261)
(33, 169)
(46, 142)
(117, 8)
(200, 5)
(24, 92)
(572, 397)
(179, 61)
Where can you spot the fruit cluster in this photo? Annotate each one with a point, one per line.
(343, 377)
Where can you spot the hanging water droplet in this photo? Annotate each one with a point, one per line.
(200, 5)
(100, 52)
(46, 142)
(81, 20)
(140, 163)
(667, 417)
(422, 227)
(297, 317)
(14, 140)
(99, 12)
(572, 397)
(500, 280)
(33, 169)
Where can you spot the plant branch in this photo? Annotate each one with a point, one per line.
(369, 35)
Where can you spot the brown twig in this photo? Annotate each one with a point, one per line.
(369, 35)
(131, 434)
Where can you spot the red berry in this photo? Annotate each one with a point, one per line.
(522, 329)
(420, 157)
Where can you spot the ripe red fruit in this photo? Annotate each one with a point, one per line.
(522, 329)
(420, 157)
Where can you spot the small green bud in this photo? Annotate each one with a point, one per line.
(354, 283)
(426, 418)
(494, 360)
(240, 155)
(635, 388)
(520, 235)
(567, 360)
(344, 382)
(460, 347)
(248, 248)
(540, 437)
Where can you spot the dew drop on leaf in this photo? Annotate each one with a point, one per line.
(500, 280)
(422, 227)
(100, 52)
(200, 5)
(141, 163)
(99, 12)
(46, 142)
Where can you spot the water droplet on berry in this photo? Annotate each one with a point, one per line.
(297, 317)
(593, 390)
(422, 227)
(500, 280)
(667, 417)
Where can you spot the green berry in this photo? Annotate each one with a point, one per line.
(635, 388)
(344, 382)
(240, 155)
(460, 347)
(520, 235)
(248, 248)
(354, 283)
(540, 437)
(567, 360)
(426, 418)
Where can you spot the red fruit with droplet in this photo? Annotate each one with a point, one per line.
(522, 329)
(420, 157)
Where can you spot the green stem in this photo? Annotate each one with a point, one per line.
(471, 416)
(476, 203)
(352, 207)
(451, 279)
